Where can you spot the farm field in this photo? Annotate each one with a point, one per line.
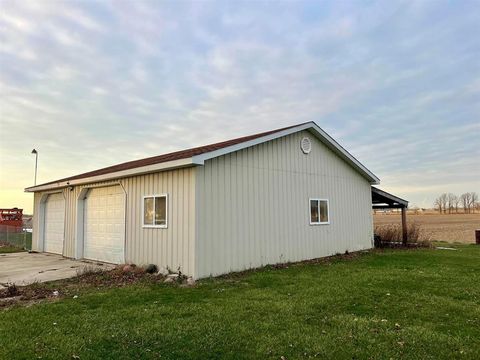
(451, 228)
(381, 304)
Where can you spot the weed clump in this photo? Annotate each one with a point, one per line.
(391, 235)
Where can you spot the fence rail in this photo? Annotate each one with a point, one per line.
(15, 236)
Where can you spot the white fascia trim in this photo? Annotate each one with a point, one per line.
(116, 175)
(200, 159)
(314, 129)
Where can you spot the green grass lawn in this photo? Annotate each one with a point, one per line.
(396, 304)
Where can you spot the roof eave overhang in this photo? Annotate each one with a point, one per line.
(389, 199)
(170, 165)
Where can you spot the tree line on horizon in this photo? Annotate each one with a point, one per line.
(451, 203)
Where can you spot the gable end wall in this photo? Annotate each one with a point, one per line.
(252, 206)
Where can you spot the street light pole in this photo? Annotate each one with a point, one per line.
(36, 161)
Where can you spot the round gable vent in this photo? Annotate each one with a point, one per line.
(306, 145)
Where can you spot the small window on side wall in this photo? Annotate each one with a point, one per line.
(319, 212)
(155, 211)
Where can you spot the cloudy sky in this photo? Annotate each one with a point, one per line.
(90, 84)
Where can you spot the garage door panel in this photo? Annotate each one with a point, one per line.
(104, 224)
(54, 224)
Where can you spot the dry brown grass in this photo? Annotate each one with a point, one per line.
(451, 228)
(393, 234)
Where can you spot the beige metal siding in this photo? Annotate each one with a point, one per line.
(172, 247)
(35, 220)
(253, 206)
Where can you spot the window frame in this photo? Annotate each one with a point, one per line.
(319, 217)
(153, 226)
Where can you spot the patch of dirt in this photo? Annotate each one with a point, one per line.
(13, 294)
(120, 276)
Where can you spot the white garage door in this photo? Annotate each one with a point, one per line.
(104, 224)
(54, 224)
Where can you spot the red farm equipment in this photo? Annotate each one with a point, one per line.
(11, 217)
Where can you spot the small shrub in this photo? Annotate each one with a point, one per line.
(151, 269)
(392, 234)
(12, 290)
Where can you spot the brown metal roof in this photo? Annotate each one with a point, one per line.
(177, 155)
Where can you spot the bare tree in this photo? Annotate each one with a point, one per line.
(465, 200)
(438, 204)
(456, 203)
(444, 201)
(473, 201)
(451, 202)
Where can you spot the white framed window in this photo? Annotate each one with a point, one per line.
(319, 212)
(154, 211)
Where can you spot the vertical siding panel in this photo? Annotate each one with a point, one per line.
(221, 217)
(272, 215)
(234, 208)
(214, 250)
(227, 227)
(190, 220)
(181, 220)
(246, 211)
(207, 214)
(173, 243)
(141, 249)
(263, 242)
(253, 207)
(137, 242)
(170, 237)
(139, 254)
(200, 231)
(162, 236)
(131, 220)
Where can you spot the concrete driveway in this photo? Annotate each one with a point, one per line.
(24, 268)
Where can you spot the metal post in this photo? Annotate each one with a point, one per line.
(404, 226)
(36, 161)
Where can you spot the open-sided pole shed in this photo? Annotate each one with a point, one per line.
(383, 200)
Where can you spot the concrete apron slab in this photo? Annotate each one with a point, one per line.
(25, 268)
